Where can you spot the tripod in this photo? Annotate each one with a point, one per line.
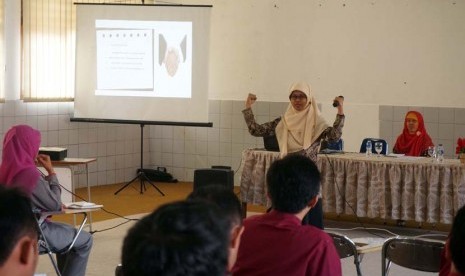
(140, 172)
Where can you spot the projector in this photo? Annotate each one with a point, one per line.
(56, 154)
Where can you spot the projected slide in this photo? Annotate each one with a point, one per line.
(144, 58)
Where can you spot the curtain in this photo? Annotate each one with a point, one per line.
(48, 48)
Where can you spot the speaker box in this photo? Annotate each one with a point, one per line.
(217, 175)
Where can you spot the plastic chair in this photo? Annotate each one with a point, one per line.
(338, 145)
(346, 248)
(414, 253)
(363, 146)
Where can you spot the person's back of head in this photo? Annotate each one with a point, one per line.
(457, 241)
(230, 207)
(18, 234)
(292, 183)
(223, 197)
(180, 238)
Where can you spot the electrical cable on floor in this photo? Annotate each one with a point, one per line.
(103, 209)
(110, 228)
(432, 235)
(364, 228)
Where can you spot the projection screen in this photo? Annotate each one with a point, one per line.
(142, 62)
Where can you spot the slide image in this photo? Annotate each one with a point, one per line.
(144, 58)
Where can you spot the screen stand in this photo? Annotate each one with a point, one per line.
(140, 172)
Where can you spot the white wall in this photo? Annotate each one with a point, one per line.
(390, 52)
(379, 52)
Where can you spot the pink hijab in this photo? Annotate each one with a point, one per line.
(20, 148)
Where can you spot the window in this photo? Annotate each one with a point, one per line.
(48, 48)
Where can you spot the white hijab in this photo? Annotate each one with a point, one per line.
(297, 130)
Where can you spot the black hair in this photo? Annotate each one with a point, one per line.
(457, 240)
(16, 220)
(223, 197)
(180, 238)
(292, 182)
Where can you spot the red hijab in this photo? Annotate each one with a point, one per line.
(413, 144)
(20, 147)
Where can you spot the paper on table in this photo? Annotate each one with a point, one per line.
(395, 155)
(81, 205)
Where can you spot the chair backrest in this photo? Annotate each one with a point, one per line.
(345, 247)
(338, 145)
(413, 253)
(363, 146)
(271, 143)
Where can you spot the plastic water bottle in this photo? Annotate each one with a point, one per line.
(440, 153)
(368, 148)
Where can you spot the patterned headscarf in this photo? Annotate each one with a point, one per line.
(20, 147)
(413, 144)
(297, 130)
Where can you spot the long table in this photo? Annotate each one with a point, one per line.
(399, 188)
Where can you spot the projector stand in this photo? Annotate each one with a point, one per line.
(140, 172)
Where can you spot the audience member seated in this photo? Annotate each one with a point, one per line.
(180, 238)
(414, 140)
(230, 206)
(453, 255)
(276, 243)
(18, 234)
(18, 169)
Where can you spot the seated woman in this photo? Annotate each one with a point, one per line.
(18, 169)
(414, 140)
(300, 130)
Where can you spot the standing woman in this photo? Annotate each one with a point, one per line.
(18, 169)
(299, 131)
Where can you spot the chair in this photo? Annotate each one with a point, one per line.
(332, 146)
(345, 248)
(414, 253)
(44, 247)
(271, 143)
(363, 146)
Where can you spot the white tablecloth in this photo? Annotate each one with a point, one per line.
(376, 187)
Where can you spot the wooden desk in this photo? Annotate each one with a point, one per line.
(375, 187)
(71, 163)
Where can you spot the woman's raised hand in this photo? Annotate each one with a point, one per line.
(340, 106)
(251, 98)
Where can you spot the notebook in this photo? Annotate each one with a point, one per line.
(81, 205)
(271, 143)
